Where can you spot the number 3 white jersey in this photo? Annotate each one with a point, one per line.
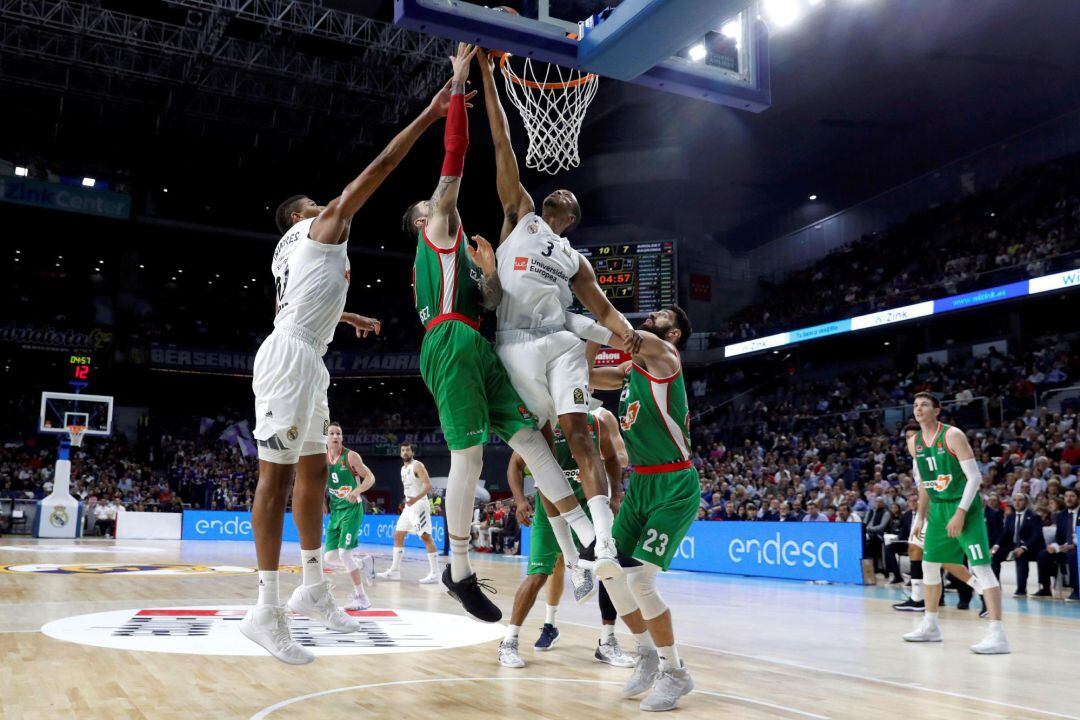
(409, 482)
(535, 269)
(312, 280)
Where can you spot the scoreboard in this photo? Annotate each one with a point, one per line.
(638, 277)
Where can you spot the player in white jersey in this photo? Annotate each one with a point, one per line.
(415, 517)
(540, 273)
(311, 272)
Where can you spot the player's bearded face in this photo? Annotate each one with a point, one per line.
(655, 324)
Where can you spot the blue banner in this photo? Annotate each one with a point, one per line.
(795, 551)
(88, 201)
(236, 525)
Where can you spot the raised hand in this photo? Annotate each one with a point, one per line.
(461, 61)
(483, 256)
(440, 104)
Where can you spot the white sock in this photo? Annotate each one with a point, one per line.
(460, 568)
(465, 467)
(433, 563)
(916, 590)
(268, 587)
(561, 531)
(996, 626)
(312, 562)
(582, 525)
(644, 641)
(395, 564)
(607, 632)
(602, 517)
(549, 617)
(511, 632)
(931, 617)
(669, 657)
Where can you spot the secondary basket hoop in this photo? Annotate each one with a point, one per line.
(75, 434)
(552, 101)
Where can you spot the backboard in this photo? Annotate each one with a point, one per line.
(59, 410)
(713, 50)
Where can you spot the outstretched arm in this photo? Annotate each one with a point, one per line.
(332, 226)
(595, 301)
(514, 198)
(444, 222)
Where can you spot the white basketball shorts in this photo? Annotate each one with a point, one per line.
(547, 368)
(415, 518)
(292, 414)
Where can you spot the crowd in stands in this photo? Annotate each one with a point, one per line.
(1027, 225)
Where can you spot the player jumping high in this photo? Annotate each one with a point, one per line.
(538, 269)
(661, 501)
(346, 506)
(415, 517)
(453, 283)
(311, 272)
(942, 456)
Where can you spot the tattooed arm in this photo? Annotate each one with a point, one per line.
(444, 222)
(483, 256)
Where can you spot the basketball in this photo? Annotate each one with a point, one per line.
(715, 359)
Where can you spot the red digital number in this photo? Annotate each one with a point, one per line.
(82, 372)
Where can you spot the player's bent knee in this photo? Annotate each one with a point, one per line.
(620, 595)
(931, 573)
(347, 560)
(985, 575)
(330, 558)
(642, 584)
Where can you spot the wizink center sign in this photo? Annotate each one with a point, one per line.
(796, 551)
(236, 525)
(53, 196)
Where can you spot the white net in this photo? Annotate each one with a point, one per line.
(75, 434)
(552, 101)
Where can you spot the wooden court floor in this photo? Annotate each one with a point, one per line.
(757, 648)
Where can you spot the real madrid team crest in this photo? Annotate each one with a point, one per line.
(59, 517)
(292, 433)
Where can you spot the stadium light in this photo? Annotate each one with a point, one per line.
(21, 171)
(697, 52)
(88, 182)
(783, 12)
(732, 29)
(165, 190)
(813, 197)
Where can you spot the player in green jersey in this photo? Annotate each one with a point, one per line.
(545, 557)
(661, 501)
(453, 283)
(346, 504)
(949, 480)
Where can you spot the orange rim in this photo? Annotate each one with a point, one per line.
(509, 72)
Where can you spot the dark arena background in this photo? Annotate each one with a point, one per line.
(854, 201)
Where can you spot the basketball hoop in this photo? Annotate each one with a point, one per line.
(75, 434)
(552, 101)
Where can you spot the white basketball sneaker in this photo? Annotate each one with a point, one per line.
(360, 600)
(608, 651)
(606, 566)
(316, 602)
(389, 575)
(508, 654)
(367, 569)
(585, 585)
(995, 643)
(928, 631)
(429, 579)
(670, 686)
(268, 626)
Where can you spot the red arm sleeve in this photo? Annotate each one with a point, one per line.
(456, 139)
